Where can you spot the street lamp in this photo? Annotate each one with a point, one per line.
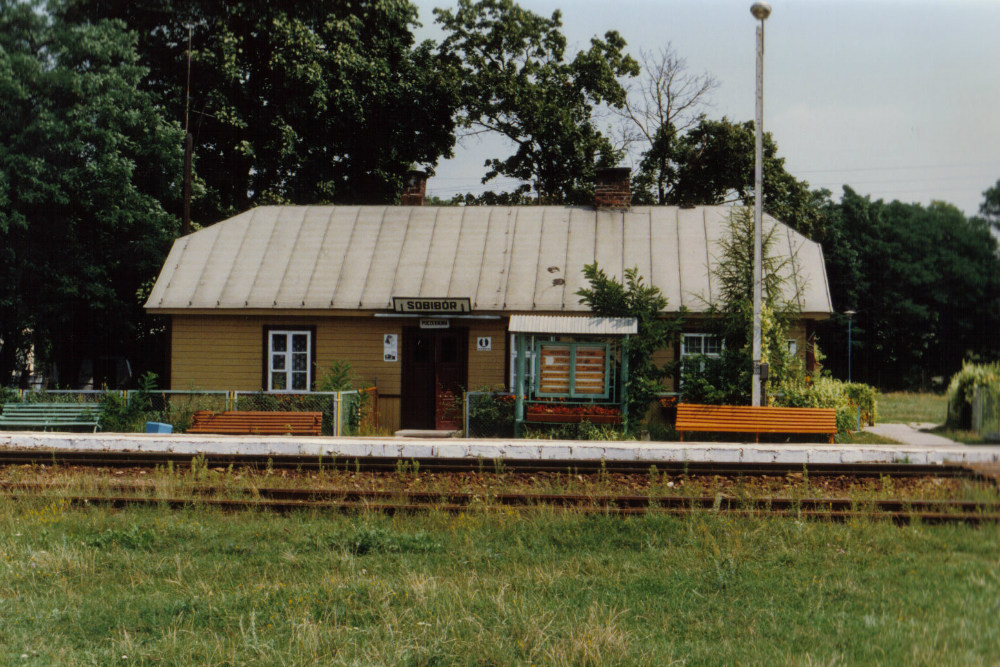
(760, 11)
(850, 314)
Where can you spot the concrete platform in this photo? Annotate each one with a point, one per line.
(407, 448)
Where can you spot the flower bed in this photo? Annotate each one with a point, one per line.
(571, 414)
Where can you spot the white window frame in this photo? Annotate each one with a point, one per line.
(701, 337)
(287, 357)
(529, 366)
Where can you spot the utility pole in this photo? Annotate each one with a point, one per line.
(760, 11)
(188, 144)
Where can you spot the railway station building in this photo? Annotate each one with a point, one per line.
(418, 299)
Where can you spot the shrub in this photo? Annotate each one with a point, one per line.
(962, 387)
(491, 415)
(123, 414)
(826, 392)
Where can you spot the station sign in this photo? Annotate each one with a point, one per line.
(431, 306)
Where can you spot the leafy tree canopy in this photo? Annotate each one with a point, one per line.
(990, 208)
(713, 163)
(514, 79)
(925, 282)
(88, 166)
(302, 101)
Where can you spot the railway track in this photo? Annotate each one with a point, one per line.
(390, 464)
(292, 499)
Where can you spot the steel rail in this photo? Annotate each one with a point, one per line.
(390, 501)
(718, 501)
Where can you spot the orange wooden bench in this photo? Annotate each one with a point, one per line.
(237, 422)
(756, 420)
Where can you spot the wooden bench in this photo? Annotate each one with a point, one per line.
(50, 416)
(238, 422)
(756, 420)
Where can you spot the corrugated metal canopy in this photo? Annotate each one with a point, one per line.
(571, 325)
(504, 259)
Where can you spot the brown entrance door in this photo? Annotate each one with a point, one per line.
(435, 371)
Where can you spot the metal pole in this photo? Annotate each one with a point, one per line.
(760, 10)
(849, 349)
(850, 319)
(188, 145)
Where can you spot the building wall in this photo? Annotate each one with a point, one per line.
(226, 352)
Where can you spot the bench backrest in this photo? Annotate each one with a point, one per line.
(52, 411)
(245, 422)
(751, 419)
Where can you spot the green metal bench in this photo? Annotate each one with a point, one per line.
(50, 416)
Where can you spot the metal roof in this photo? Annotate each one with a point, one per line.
(574, 325)
(503, 258)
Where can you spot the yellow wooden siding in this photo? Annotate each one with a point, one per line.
(225, 352)
(486, 369)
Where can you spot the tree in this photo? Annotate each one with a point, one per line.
(727, 379)
(607, 297)
(715, 165)
(88, 168)
(299, 102)
(990, 208)
(514, 80)
(665, 104)
(925, 282)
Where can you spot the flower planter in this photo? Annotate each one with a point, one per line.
(572, 419)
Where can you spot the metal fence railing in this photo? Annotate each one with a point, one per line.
(58, 395)
(344, 413)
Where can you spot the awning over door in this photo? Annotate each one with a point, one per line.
(570, 325)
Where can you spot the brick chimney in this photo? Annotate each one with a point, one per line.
(612, 188)
(415, 189)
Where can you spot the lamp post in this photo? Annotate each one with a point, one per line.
(760, 11)
(850, 316)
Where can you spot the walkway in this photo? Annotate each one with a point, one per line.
(912, 434)
(919, 451)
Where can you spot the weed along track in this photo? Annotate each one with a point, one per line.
(899, 493)
(289, 499)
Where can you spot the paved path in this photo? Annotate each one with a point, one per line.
(425, 448)
(912, 434)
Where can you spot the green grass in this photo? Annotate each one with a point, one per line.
(959, 435)
(905, 407)
(154, 587)
(867, 438)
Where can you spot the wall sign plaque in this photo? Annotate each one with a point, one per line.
(431, 306)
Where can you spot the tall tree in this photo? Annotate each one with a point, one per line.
(88, 167)
(925, 282)
(715, 165)
(302, 101)
(727, 378)
(663, 104)
(514, 80)
(990, 208)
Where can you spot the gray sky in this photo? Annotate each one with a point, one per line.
(899, 99)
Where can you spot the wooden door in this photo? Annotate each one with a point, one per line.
(435, 371)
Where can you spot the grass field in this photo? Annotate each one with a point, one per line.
(155, 587)
(904, 407)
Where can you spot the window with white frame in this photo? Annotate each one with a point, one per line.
(529, 366)
(289, 355)
(698, 344)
